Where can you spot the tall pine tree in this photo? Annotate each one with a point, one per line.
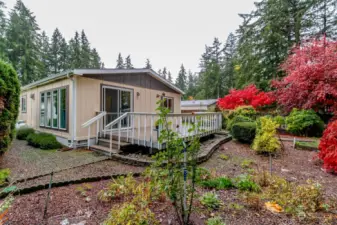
(2, 30)
(181, 79)
(120, 62)
(75, 51)
(148, 64)
(55, 52)
(22, 35)
(85, 51)
(128, 63)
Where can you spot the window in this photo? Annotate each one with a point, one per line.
(42, 110)
(24, 104)
(168, 103)
(53, 109)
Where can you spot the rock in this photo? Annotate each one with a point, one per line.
(65, 222)
(87, 199)
(284, 170)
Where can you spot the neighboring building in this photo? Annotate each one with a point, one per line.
(189, 106)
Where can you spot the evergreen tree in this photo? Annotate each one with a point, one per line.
(85, 54)
(120, 62)
(75, 51)
(160, 72)
(95, 60)
(128, 62)
(23, 43)
(45, 55)
(169, 78)
(2, 30)
(64, 55)
(148, 64)
(181, 79)
(191, 85)
(55, 52)
(164, 73)
(228, 67)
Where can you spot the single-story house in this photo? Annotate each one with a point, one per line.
(81, 106)
(198, 105)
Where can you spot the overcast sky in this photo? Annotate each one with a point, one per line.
(169, 32)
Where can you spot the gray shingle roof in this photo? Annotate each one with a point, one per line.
(206, 102)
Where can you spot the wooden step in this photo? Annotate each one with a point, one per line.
(104, 150)
(106, 143)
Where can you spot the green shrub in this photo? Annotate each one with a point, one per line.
(215, 221)
(280, 120)
(9, 104)
(4, 174)
(43, 140)
(219, 183)
(210, 200)
(265, 140)
(201, 174)
(237, 119)
(245, 183)
(247, 111)
(23, 133)
(304, 122)
(244, 131)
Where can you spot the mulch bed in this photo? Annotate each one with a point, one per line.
(295, 165)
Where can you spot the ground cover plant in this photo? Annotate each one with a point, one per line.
(23, 133)
(44, 141)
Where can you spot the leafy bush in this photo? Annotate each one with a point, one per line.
(4, 175)
(294, 198)
(9, 104)
(245, 183)
(218, 183)
(118, 187)
(23, 133)
(201, 174)
(43, 140)
(328, 147)
(136, 212)
(244, 131)
(250, 95)
(304, 122)
(280, 120)
(237, 119)
(265, 140)
(215, 221)
(210, 200)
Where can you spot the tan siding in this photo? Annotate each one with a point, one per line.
(33, 105)
(88, 101)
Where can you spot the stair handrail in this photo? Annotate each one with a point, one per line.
(114, 122)
(94, 119)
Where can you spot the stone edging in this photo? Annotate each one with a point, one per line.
(27, 190)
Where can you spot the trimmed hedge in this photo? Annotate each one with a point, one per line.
(244, 131)
(43, 140)
(9, 104)
(23, 133)
(238, 119)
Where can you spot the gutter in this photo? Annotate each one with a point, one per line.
(73, 115)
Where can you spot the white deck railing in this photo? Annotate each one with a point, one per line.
(142, 128)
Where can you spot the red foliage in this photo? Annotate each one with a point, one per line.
(311, 81)
(328, 147)
(248, 96)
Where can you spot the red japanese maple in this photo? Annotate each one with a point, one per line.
(311, 80)
(248, 96)
(328, 147)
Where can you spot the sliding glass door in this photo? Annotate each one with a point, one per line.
(116, 102)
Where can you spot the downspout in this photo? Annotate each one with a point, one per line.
(73, 116)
